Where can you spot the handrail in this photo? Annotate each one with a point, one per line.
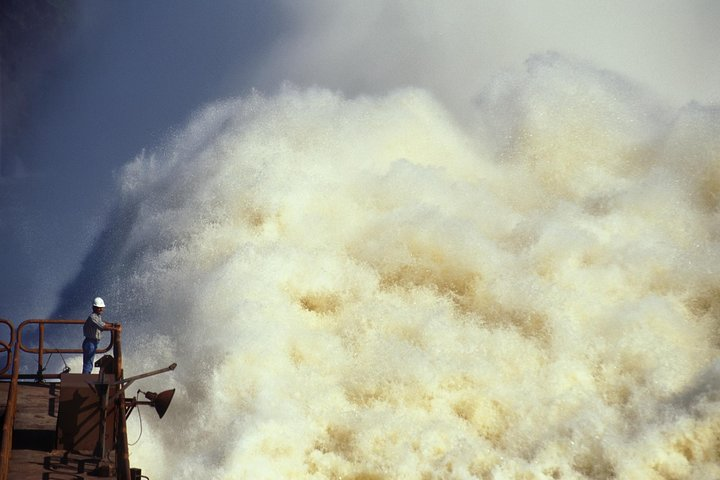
(7, 347)
(41, 350)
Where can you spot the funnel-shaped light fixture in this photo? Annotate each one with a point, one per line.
(161, 401)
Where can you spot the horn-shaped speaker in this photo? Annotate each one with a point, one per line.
(161, 401)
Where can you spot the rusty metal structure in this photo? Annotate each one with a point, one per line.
(77, 422)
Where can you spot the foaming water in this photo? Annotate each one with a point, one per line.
(367, 288)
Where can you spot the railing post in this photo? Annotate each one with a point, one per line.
(117, 350)
(122, 457)
(7, 348)
(41, 345)
(10, 410)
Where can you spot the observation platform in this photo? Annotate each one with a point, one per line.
(33, 454)
(65, 425)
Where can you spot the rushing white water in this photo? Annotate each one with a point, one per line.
(369, 288)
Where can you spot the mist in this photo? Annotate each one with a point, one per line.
(118, 77)
(389, 240)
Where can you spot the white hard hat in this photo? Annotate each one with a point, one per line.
(98, 302)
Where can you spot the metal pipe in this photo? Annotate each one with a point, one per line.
(127, 381)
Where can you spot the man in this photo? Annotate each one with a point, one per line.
(92, 328)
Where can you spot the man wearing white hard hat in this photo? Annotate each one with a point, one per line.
(91, 329)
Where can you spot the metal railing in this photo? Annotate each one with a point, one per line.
(16, 346)
(7, 347)
(41, 350)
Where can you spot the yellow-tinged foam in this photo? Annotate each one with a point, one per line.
(364, 289)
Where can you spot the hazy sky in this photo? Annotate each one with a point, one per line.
(125, 75)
